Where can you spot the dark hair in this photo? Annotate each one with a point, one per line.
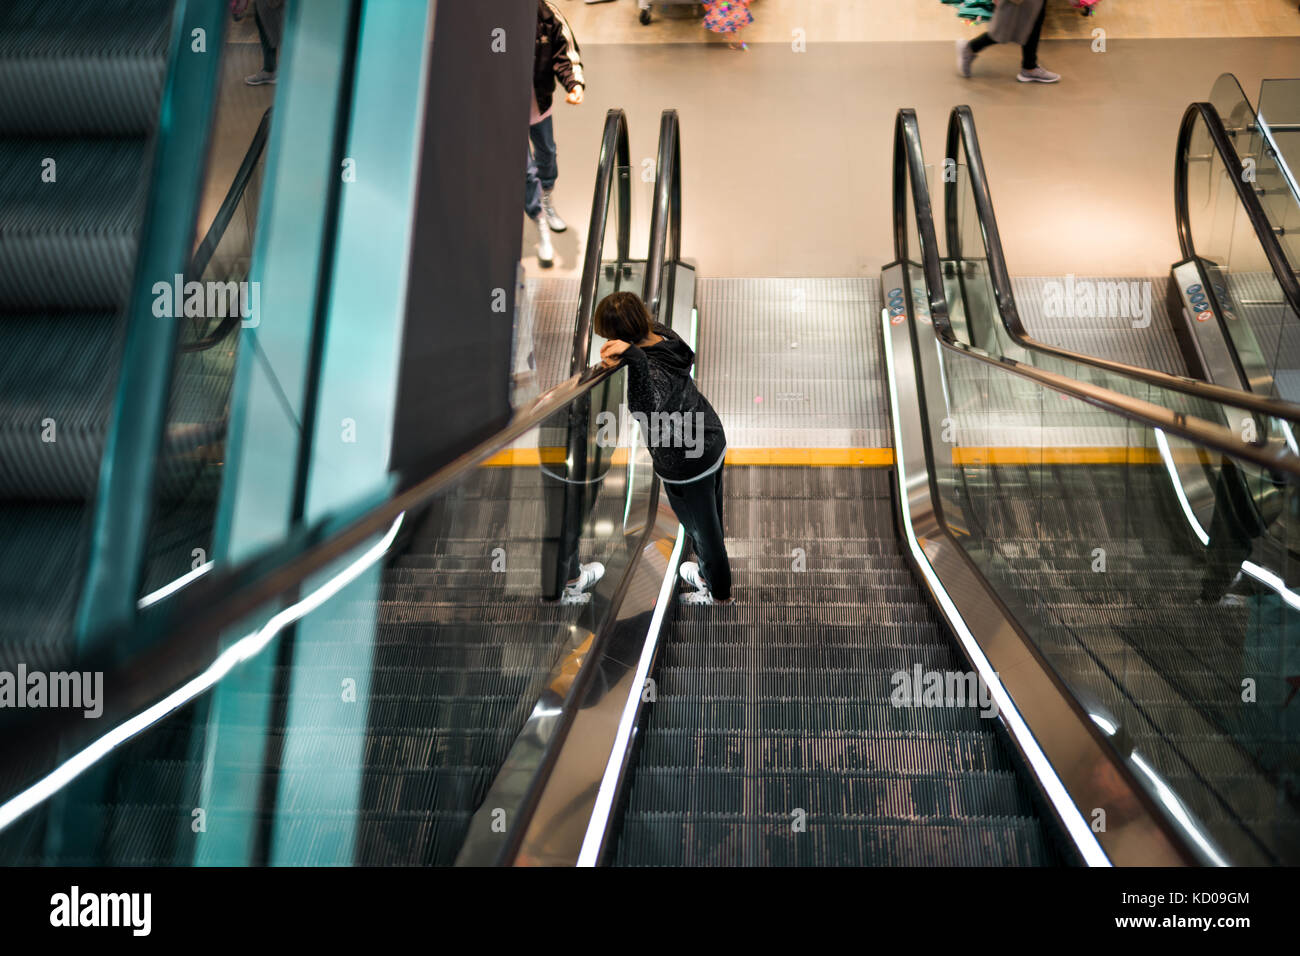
(622, 316)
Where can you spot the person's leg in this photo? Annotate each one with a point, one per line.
(982, 43)
(1029, 53)
(533, 209)
(532, 188)
(543, 138)
(268, 51)
(717, 566)
(696, 506)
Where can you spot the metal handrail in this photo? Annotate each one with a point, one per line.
(216, 231)
(615, 157)
(1259, 221)
(666, 213)
(909, 165)
(962, 134)
(185, 632)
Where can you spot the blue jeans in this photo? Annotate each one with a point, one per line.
(542, 169)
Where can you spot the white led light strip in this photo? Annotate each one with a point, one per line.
(604, 804)
(243, 649)
(1260, 573)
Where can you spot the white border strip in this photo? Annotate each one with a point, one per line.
(604, 805)
(246, 647)
(1070, 815)
(169, 589)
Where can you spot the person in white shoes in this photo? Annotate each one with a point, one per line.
(1014, 21)
(686, 440)
(556, 58)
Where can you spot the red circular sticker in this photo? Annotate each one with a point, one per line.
(1203, 316)
(896, 319)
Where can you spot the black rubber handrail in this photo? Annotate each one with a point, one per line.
(963, 137)
(614, 160)
(909, 165)
(666, 213)
(183, 635)
(212, 239)
(1249, 199)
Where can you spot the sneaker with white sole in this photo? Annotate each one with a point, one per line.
(552, 217)
(690, 572)
(1038, 75)
(702, 597)
(260, 78)
(578, 591)
(545, 251)
(965, 57)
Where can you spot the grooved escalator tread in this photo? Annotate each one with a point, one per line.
(69, 244)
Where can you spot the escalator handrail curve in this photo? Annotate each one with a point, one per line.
(666, 213)
(909, 165)
(212, 239)
(962, 135)
(1249, 199)
(615, 157)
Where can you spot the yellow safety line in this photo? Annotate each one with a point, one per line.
(813, 457)
(1078, 455)
(883, 457)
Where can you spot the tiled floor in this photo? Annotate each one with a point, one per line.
(787, 157)
(862, 21)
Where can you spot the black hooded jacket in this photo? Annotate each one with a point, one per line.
(680, 427)
(556, 56)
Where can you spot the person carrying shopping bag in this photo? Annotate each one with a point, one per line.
(1014, 21)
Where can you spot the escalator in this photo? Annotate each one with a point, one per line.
(1236, 294)
(460, 637)
(983, 643)
(73, 197)
(774, 740)
(101, 194)
(1156, 579)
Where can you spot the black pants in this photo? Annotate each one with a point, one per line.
(698, 506)
(268, 51)
(1028, 53)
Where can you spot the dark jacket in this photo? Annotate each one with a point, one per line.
(556, 55)
(685, 437)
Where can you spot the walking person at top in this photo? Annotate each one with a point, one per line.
(1014, 21)
(556, 58)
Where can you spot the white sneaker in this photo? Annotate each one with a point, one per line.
(690, 572)
(1038, 75)
(545, 251)
(576, 592)
(260, 78)
(702, 597)
(964, 58)
(550, 215)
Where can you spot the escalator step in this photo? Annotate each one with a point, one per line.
(875, 794)
(680, 839)
(947, 753)
(802, 715)
(70, 245)
(82, 67)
